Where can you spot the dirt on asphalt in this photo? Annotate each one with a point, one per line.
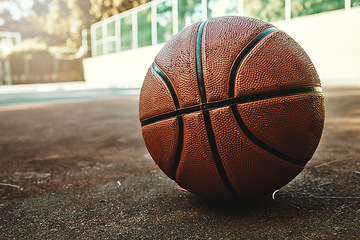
(81, 170)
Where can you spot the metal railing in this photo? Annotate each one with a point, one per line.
(157, 21)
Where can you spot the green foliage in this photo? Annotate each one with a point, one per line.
(126, 33)
(144, 27)
(267, 10)
(102, 9)
(189, 12)
(355, 3)
(307, 7)
(164, 22)
(217, 8)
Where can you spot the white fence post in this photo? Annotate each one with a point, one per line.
(134, 23)
(241, 7)
(153, 23)
(347, 4)
(287, 9)
(104, 36)
(175, 15)
(118, 34)
(203, 10)
(93, 40)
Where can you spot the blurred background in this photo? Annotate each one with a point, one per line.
(46, 40)
(112, 43)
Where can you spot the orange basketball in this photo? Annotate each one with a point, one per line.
(231, 108)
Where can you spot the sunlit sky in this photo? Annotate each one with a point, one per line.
(17, 13)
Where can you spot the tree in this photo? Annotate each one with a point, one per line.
(102, 9)
(268, 10)
(307, 7)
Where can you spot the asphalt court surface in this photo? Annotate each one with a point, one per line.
(80, 170)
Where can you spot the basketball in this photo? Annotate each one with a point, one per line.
(231, 108)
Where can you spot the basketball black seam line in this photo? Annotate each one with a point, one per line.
(168, 84)
(236, 65)
(260, 143)
(232, 101)
(198, 60)
(234, 70)
(207, 120)
(179, 146)
(179, 149)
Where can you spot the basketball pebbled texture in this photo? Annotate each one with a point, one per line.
(232, 108)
